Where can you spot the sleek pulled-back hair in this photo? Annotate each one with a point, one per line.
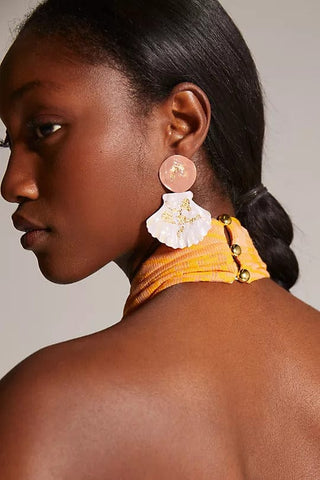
(161, 43)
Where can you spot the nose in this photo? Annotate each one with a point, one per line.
(19, 181)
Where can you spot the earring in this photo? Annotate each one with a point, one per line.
(179, 222)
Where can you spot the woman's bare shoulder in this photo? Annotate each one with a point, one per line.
(78, 407)
(67, 408)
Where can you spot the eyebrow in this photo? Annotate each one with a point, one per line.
(19, 92)
(26, 87)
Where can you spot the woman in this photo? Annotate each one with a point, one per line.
(213, 371)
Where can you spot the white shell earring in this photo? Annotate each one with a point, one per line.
(179, 222)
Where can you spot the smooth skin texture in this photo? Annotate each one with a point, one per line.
(204, 381)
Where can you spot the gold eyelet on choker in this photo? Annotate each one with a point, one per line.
(243, 275)
(225, 219)
(236, 250)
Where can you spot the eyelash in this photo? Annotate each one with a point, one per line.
(33, 125)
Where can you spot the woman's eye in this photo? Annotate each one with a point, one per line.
(45, 129)
(40, 130)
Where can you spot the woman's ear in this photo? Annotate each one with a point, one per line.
(189, 116)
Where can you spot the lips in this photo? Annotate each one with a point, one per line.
(25, 225)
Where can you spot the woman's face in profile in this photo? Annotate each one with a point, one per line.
(81, 163)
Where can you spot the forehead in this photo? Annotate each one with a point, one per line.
(34, 65)
(29, 59)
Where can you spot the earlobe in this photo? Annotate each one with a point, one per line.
(190, 118)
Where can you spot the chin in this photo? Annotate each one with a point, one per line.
(62, 273)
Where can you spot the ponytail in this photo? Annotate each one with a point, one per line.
(271, 231)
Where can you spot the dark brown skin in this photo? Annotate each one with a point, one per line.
(204, 381)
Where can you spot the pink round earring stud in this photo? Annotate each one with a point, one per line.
(179, 222)
(178, 173)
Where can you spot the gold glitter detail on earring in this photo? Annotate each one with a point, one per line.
(167, 216)
(186, 204)
(193, 219)
(182, 219)
(176, 168)
(175, 216)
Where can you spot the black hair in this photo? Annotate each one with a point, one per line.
(160, 43)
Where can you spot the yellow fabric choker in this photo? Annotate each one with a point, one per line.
(226, 254)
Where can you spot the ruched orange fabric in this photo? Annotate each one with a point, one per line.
(211, 260)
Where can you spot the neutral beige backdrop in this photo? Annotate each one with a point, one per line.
(284, 38)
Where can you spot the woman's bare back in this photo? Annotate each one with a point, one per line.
(244, 382)
(203, 382)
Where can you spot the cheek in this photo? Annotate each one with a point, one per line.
(87, 205)
(94, 188)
